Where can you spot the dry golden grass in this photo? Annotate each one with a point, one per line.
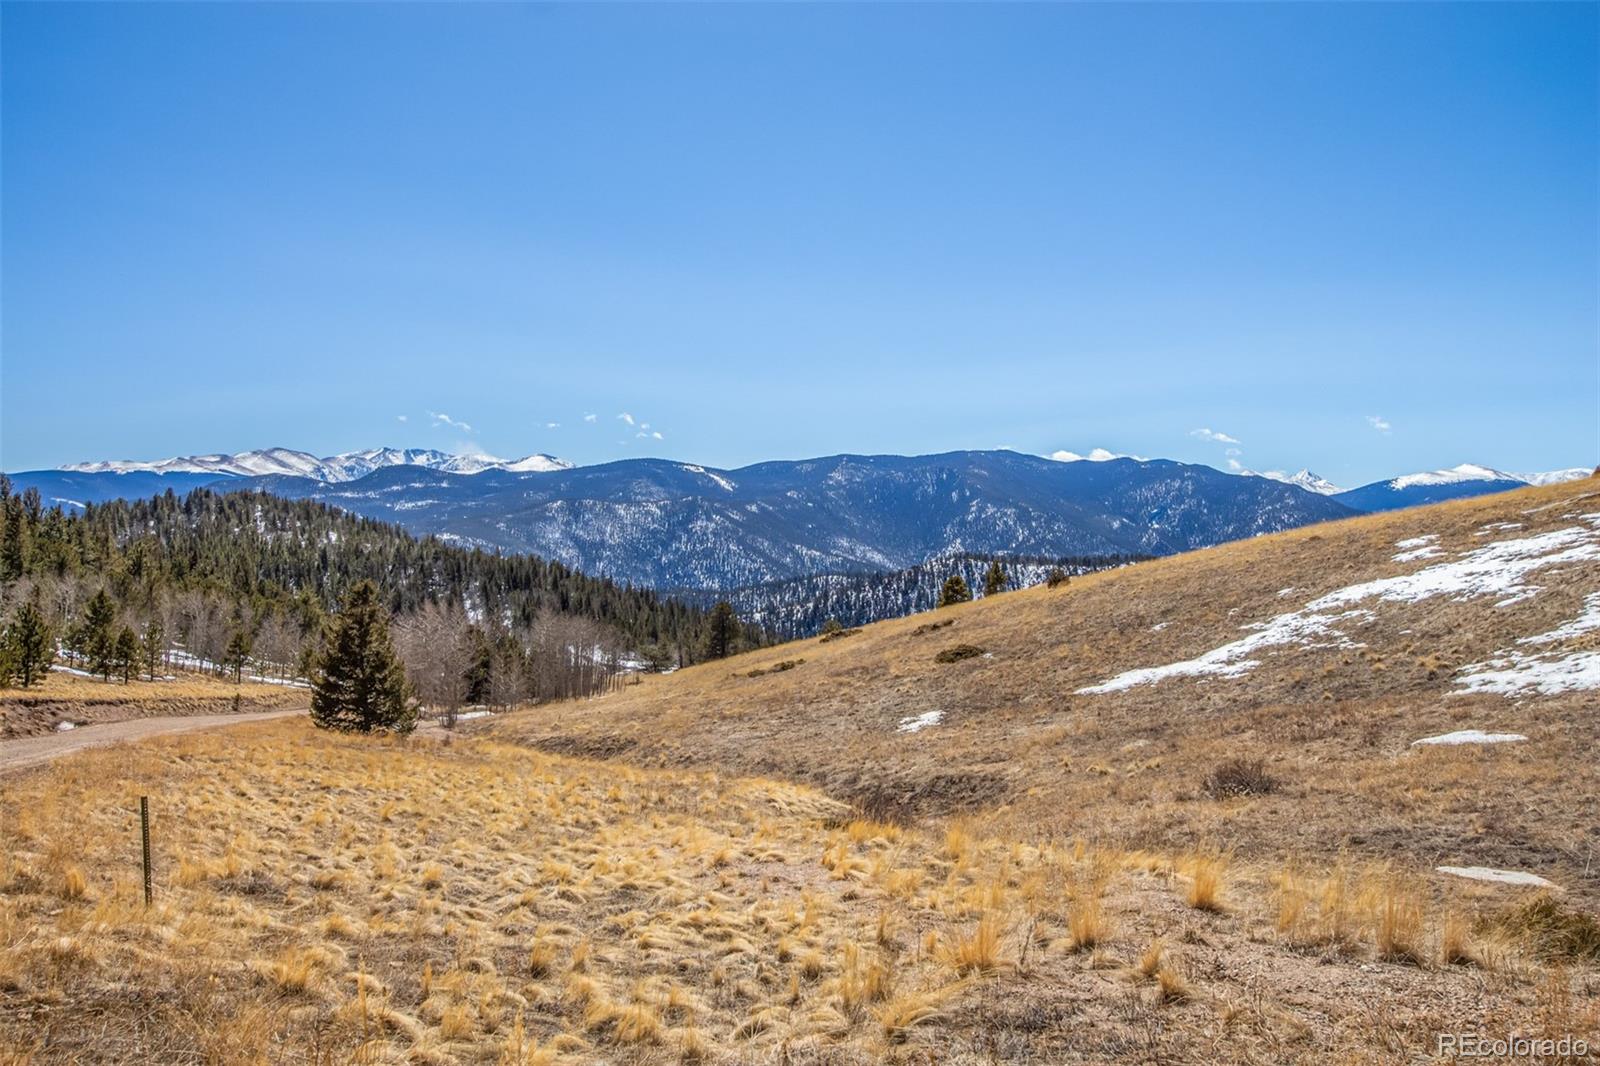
(518, 907)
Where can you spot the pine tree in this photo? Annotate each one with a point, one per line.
(996, 579)
(125, 653)
(152, 646)
(97, 638)
(29, 646)
(955, 591)
(237, 653)
(358, 684)
(12, 548)
(722, 630)
(1056, 578)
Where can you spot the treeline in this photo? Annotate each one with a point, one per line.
(799, 607)
(247, 580)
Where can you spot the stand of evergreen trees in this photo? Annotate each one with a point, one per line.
(799, 607)
(248, 579)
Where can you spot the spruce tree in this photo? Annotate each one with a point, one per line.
(125, 653)
(29, 646)
(97, 636)
(722, 631)
(358, 684)
(152, 646)
(237, 653)
(995, 580)
(13, 553)
(955, 591)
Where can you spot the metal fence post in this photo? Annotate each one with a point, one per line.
(144, 831)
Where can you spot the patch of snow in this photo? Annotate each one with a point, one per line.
(920, 722)
(1519, 675)
(1503, 877)
(462, 716)
(1496, 569)
(1470, 736)
(1233, 659)
(1515, 673)
(1290, 591)
(72, 670)
(1497, 527)
(62, 727)
(722, 482)
(1587, 621)
(1417, 542)
(1159, 626)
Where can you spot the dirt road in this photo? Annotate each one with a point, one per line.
(30, 751)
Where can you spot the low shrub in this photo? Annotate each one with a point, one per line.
(1239, 777)
(776, 668)
(958, 652)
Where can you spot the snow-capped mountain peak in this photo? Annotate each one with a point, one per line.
(347, 466)
(1463, 472)
(1305, 479)
(537, 463)
(1555, 477)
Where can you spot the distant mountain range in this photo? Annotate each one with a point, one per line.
(332, 469)
(683, 526)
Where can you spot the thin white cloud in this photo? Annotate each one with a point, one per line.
(1379, 423)
(657, 435)
(552, 425)
(401, 418)
(590, 418)
(626, 417)
(440, 419)
(1235, 465)
(1213, 436)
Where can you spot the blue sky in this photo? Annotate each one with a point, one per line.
(1360, 238)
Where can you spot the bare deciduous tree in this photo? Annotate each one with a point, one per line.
(435, 644)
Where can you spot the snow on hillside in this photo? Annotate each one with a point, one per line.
(1514, 672)
(1495, 571)
(347, 466)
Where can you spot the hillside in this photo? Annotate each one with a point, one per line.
(1103, 707)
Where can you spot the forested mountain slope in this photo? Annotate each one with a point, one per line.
(254, 559)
